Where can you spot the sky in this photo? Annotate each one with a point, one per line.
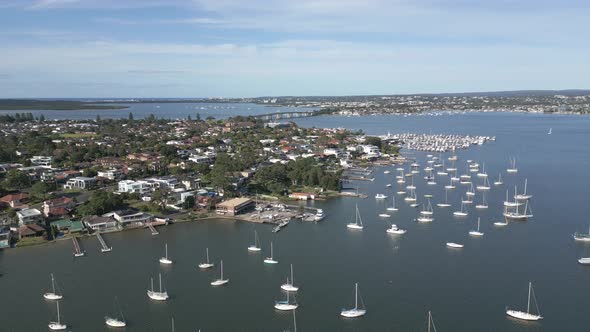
(249, 48)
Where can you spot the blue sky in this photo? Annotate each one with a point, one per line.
(244, 48)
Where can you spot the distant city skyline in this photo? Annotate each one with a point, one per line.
(234, 48)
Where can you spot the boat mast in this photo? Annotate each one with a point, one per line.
(294, 322)
(221, 278)
(271, 255)
(152, 283)
(356, 290)
(292, 280)
(160, 283)
(528, 304)
(166, 250)
(429, 318)
(52, 284)
(58, 319)
(478, 219)
(207, 255)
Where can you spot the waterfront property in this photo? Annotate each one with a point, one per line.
(100, 224)
(130, 218)
(29, 216)
(80, 182)
(5, 237)
(234, 206)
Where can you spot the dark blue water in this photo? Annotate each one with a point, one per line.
(401, 278)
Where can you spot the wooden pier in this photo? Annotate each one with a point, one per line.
(152, 229)
(77, 251)
(103, 244)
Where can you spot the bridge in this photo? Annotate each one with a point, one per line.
(284, 115)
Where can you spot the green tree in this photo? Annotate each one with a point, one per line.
(130, 117)
(189, 202)
(100, 202)
(17, 180)
(40, 189)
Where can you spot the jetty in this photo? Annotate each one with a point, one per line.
(152, 229)
(103, 244)
(77, 251)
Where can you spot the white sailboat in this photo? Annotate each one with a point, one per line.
(450, 185)
(358, 222)
(446, 202)
(501, 223)
(380, 196)
(485, 184)
(220, 281)
(161, 295)
(207, 264)
(454, 245)
(476, 232)
(290, 286)
(384, 215)
(471, 191)
(499, 182)
(53, 295)
(460, 213)
(271, 259)
(584, 260)
(514, 203)
(286, 305)
(582, 237)
(165, 259)
(58, 325)
(392, 207)
(411, 186)
(424, 219)
(550, 131)
(356, 311)
(483, 173)
(118, 321)
(484, 202)
(427, 211)
(412, 197)
(255, 247)
(524, 195)
(512, 169)
(526, 315)
(517, 215)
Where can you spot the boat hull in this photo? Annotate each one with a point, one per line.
(205, 265)
(112, 322)
(286, 306)
(289, 288)
(353, 313)
(253, 249)
(454, 245)
(522, 315)
(52, 296)
(157, 296)
(54, 326)
(166, 261)
(354, 226)
(219, 282)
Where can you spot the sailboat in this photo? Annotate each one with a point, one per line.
(460, 213)
(582, 237)
(255, 247)
(517, 215)
(286, 305)
(53, 295)
(220, 281)
(290, 286)
(431, 322)
(57, 326)
(380, 196)
(450, 185)
(584, 260)
(471, 191)
(427, 211)
(476, 232)
(157, 296)
(392, 207)
(412, 197)
(484, 202)
(411, 186)
(467, 200)
(165, 259)
(499, 182)
(116, 321)
(358, 223)
(512, 168)
(454, 245)
(524, 195)
(354, 312)
(270, 260)
(514, 203)
(207, 264)
(526, 315)
(485, 185)
(483, 173)
(446, 203)
(550, 131)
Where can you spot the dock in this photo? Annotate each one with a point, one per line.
(77, 251)
(152, 229)
(104, 247)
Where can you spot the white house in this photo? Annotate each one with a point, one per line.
(111, 174)
(41, 161)
(80, 182)
(130, 218)
(136, 187)
(29, 216)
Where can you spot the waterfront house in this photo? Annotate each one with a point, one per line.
(234, 206)
(68, 226)
(100, 224)
(15, 200)
(31, 230)
(130, 218)
(141, 187)
(29, 216)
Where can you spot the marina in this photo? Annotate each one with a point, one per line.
(383, 263)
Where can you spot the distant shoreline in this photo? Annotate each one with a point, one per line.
(55, 105)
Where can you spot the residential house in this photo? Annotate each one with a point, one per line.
(5, 237)
(141, 187)
(80, 182)
(58, 207)
(111, 174)
(15, 200)
(130, 218)
(68, 226)
(44, 161)
(302, 196)
(100, 224)
(29, 216)
(31, 230)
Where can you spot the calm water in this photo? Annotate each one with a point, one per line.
(163, 110)
(401, 278)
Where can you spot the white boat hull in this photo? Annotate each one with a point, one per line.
(522, 315)
(475, 233)
(289, 288)
(454, 245)
(396, 231)
(165, 260)
(270, 261)
(253, 249)
(354, 226)
(286, 306)
(460, 214)
(219, 282)
(584, 260)
(353, 313)
(205, 265)
(391, 209)
(500, 223)
(157, 296)
(52, 296)
(443, 205)
(54, 326)
(112, 322)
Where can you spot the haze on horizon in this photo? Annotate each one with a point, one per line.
(235, 48)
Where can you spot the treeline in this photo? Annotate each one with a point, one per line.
(20, 117)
